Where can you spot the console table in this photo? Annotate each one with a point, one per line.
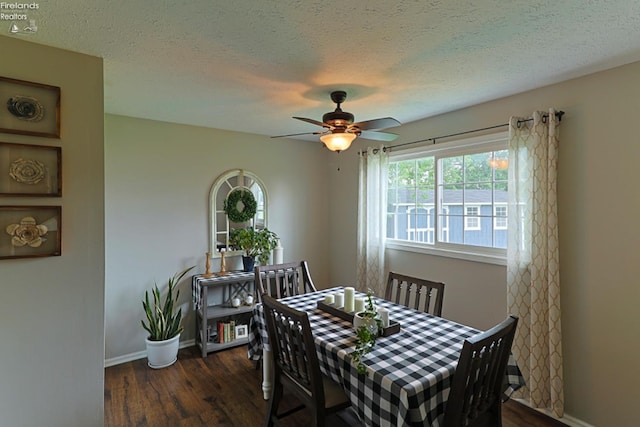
(212, 302)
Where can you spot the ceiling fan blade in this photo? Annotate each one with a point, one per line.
(383, 123)
(297, 134)
(378, 136)
(313, 122)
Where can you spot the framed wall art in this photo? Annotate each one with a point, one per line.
(30, 231)
(29, 108)
(30, 170)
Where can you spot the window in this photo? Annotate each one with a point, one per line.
(450, 197)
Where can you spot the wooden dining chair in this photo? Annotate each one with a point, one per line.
(296, 366)
(419, 294)
(283, 280)
(477, 387)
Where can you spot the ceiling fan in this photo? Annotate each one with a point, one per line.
(340, 130)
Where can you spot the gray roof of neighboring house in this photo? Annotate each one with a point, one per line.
(450, 196)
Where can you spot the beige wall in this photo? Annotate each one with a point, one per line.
(52, 309)
(597, 206)
(158, 178)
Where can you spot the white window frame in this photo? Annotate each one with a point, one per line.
(444, 229)
(220, 227)
(492, 142)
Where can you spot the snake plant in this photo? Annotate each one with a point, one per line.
(163, 320)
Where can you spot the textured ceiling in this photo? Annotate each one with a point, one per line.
(249, 65)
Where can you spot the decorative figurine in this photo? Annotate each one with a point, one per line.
(207, 273)
(223, 262)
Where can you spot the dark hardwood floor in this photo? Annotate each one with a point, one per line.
(223, 389)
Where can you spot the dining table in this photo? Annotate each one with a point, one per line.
(408, 374)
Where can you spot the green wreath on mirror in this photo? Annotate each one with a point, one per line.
(248, 201)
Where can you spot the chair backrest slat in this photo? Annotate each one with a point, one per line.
(419, 294)
(283, 280)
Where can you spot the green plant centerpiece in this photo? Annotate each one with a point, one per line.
(255, 243)
(163, 321)
(369, 329)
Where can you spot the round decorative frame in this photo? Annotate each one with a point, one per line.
(27, 171)
(231, 205)
(28, 232)
(25, 108)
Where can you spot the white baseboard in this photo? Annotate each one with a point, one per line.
(140, 355)
(566, 419)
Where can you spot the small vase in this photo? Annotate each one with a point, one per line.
(248, 262)
(359, 319)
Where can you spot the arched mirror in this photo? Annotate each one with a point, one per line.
(220, 223)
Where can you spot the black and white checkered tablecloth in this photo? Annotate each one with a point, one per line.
(408, 374)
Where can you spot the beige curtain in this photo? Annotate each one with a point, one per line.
(533, 277)
(372, 220)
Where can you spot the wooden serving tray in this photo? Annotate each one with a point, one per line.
(393, 328)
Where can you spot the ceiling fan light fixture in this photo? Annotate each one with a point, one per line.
(339, 130)
(339, 141)
(499, 164)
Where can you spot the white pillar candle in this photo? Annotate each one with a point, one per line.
(348, 299)
(339, 300)
(328, 299)
(358, 305)
(384, 316)
(278, 254)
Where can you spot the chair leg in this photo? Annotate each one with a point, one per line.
(274, 402)
(318, 418)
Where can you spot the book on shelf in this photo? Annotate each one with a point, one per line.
(226, 331)
(220, 332)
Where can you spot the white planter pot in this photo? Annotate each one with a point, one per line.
(358, 321)
(161, 354)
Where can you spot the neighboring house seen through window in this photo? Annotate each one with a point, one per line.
(472, 218)
(450, 198)
(500, 217)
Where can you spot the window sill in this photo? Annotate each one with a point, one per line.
(487, 258)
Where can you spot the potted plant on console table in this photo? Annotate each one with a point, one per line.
(164, 323)
(255, 243)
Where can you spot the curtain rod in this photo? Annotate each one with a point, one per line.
(559, 115)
